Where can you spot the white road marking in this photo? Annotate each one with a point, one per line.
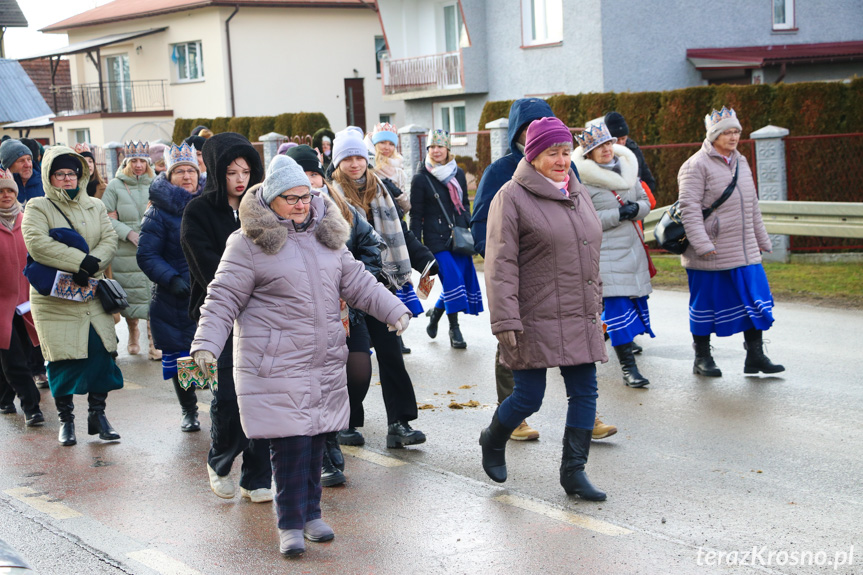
(131, 385)
(161, 563)
(372, 457)
(565, 516)
(42, 503)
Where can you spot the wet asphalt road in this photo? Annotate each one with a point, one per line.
(699, 466)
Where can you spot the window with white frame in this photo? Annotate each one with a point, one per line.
(450, 116)
(541, 21)
(783, 15)
(380, 52)
(452, 27)
(79, 136)
(188, 61)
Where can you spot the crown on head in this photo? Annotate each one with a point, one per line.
(717, 116)
(385, 127)
(593, 136)
(136, 150)
(184, 154)
(438, 138)
(82, 147)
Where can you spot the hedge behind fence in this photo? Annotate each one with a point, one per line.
(302, 123)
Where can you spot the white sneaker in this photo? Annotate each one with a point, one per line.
(260, 495)
(222, 486)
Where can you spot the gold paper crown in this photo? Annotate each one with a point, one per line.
(183, 154)
(593, 136)
(717, 116)
(136, 150)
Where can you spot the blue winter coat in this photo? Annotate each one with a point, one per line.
(521, 114)
(160, 257)
(33, 189)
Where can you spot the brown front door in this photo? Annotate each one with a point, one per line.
(355, 103)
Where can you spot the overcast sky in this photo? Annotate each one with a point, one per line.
(23, 42)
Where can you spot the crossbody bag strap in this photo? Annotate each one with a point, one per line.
(638, 231)
(437, 197)
(65, 217)
(725, 195)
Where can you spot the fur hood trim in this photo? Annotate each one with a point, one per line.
(261, 225)
(592, 174)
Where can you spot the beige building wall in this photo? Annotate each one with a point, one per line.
(105, 130)
(35, 133)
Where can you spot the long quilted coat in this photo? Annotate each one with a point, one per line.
(542, 272)
(734, 230)
(127, 197)
(279, 289)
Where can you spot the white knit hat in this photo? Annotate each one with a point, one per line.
(718, 121)
(349, 142)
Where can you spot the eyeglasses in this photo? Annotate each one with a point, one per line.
(188, 172)
(66, 175)
(292, 200)
(731, 133)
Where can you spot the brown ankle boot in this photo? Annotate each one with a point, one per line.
(154, 353)
(602, 430)
(133, 348)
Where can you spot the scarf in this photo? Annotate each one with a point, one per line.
(613, 165)
(390, 167)
(385, 219)
(562, 186)
(445, 174)
(8, 215)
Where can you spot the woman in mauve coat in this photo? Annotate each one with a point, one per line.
(728, 289)
(545, 298)
(279, 284)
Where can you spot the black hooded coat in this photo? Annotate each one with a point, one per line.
(209, 219)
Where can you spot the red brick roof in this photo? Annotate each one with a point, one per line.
(40, 72)
(120, 10)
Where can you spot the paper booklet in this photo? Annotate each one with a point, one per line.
(23, 308)
(65, 288)
(426, 283)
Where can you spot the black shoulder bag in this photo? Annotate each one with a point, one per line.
(461, 240)
(669, 232)
(111, 294)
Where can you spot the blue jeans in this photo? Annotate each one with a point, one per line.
(526, 398)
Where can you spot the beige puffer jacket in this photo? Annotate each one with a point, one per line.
(735, 229)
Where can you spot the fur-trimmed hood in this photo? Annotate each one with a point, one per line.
(168, 197)
(260, 224)
(592, 174)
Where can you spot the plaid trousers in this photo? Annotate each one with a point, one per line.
(297, 473)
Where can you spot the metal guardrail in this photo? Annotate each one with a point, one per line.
(825, 219)
(137, 96)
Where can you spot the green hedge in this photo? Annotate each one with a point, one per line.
(300, 124)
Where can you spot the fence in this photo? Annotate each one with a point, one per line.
(113, 97)
(439, 71)
(824, 168)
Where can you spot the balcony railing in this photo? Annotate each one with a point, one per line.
(436, 72)
(112, 97)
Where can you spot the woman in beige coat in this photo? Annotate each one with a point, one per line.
(544, 294)
(77, 337)
(728, 289)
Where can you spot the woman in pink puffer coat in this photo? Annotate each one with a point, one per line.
(278, 285)
(728, 290)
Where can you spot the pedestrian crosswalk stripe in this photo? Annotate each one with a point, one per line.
(565, 516)
(42, 502)
(161, 563)
(372, 457)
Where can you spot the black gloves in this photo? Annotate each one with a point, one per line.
(434, 269)
(90, 265)
(178, 286)
(81, 278)
(629, 211)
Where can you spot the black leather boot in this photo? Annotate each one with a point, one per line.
(455, 338)
(401, 434)
(405, 349)
(493, 441)
(756, 361)
(189, 404)
(631, 376)
(65, 406)
(573, 479)
(636, 349)
(330, 474)
(351, 436)
(96, 420)
(434, 315)
(704, 364)
(331, 446)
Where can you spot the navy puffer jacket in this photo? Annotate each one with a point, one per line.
(160, 257)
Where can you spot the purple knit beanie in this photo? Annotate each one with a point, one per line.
(543, 134)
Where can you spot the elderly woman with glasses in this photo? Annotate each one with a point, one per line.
(544, 295)
(160, 256)
(728, 289)
(77, 337)
(279, 286)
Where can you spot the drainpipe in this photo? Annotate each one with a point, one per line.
(230, 67)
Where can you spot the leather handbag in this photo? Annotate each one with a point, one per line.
(669, 232)
(112, 296)
(461, 240)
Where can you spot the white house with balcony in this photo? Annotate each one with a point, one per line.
(136, 65)
(448, 57)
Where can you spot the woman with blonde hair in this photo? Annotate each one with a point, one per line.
(126, 199)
